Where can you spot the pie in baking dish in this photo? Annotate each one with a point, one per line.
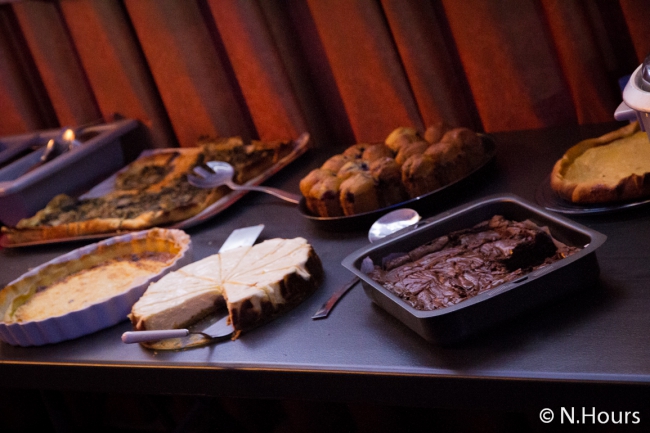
(95, 282)
(80, 289)
(255, 283)
(613, 167)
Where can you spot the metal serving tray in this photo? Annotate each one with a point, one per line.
(455, 323)
(26, 186)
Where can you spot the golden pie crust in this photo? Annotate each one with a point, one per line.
(611, 168)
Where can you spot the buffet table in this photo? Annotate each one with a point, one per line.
(587, 350)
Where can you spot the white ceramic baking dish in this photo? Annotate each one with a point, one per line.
(103, 313)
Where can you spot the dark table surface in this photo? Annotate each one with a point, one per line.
(590, 349)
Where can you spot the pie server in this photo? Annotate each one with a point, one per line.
(244, 237)
(221, 329)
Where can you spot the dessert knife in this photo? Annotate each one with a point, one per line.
(387, 225)
(218, 331)
(325, 309)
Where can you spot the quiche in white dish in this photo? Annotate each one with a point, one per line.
(88, 289)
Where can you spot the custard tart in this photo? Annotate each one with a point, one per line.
(88, 289)
(611, 168)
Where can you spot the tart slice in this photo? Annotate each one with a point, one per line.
(610, 168)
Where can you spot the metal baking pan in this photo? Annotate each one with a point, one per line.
(422, 204)
(27, 185)
(455, 323)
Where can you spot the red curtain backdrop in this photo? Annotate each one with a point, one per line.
(345, 71)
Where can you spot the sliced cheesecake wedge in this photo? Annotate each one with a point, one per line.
(255, 283)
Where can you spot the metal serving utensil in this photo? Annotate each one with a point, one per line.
(222, 174)
(384, 226)
(219, 331)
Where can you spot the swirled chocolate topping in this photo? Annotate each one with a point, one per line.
(464, 263)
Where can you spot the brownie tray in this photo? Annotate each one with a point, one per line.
(455, 323)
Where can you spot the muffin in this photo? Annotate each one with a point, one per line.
(434, 133)
(471, 145)
(452, 162)
(358, 194)
(400, 137)
(410, 149)
(376, 151)
(419, 175)
(351, 168)
(314, 176)
(355, 151)
(335, 163)
(387, 175)
(323, 198)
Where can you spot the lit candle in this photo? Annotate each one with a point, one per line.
(69, 138)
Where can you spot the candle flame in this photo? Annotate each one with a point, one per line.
(68, 135)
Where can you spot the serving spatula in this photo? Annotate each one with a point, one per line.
(220, 330)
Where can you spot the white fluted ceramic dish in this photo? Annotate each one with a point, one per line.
(99, 315)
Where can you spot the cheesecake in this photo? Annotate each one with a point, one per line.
(255, 283)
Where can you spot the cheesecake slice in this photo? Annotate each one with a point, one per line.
(255, 283)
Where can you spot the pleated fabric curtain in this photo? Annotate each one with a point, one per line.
(345, 71)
